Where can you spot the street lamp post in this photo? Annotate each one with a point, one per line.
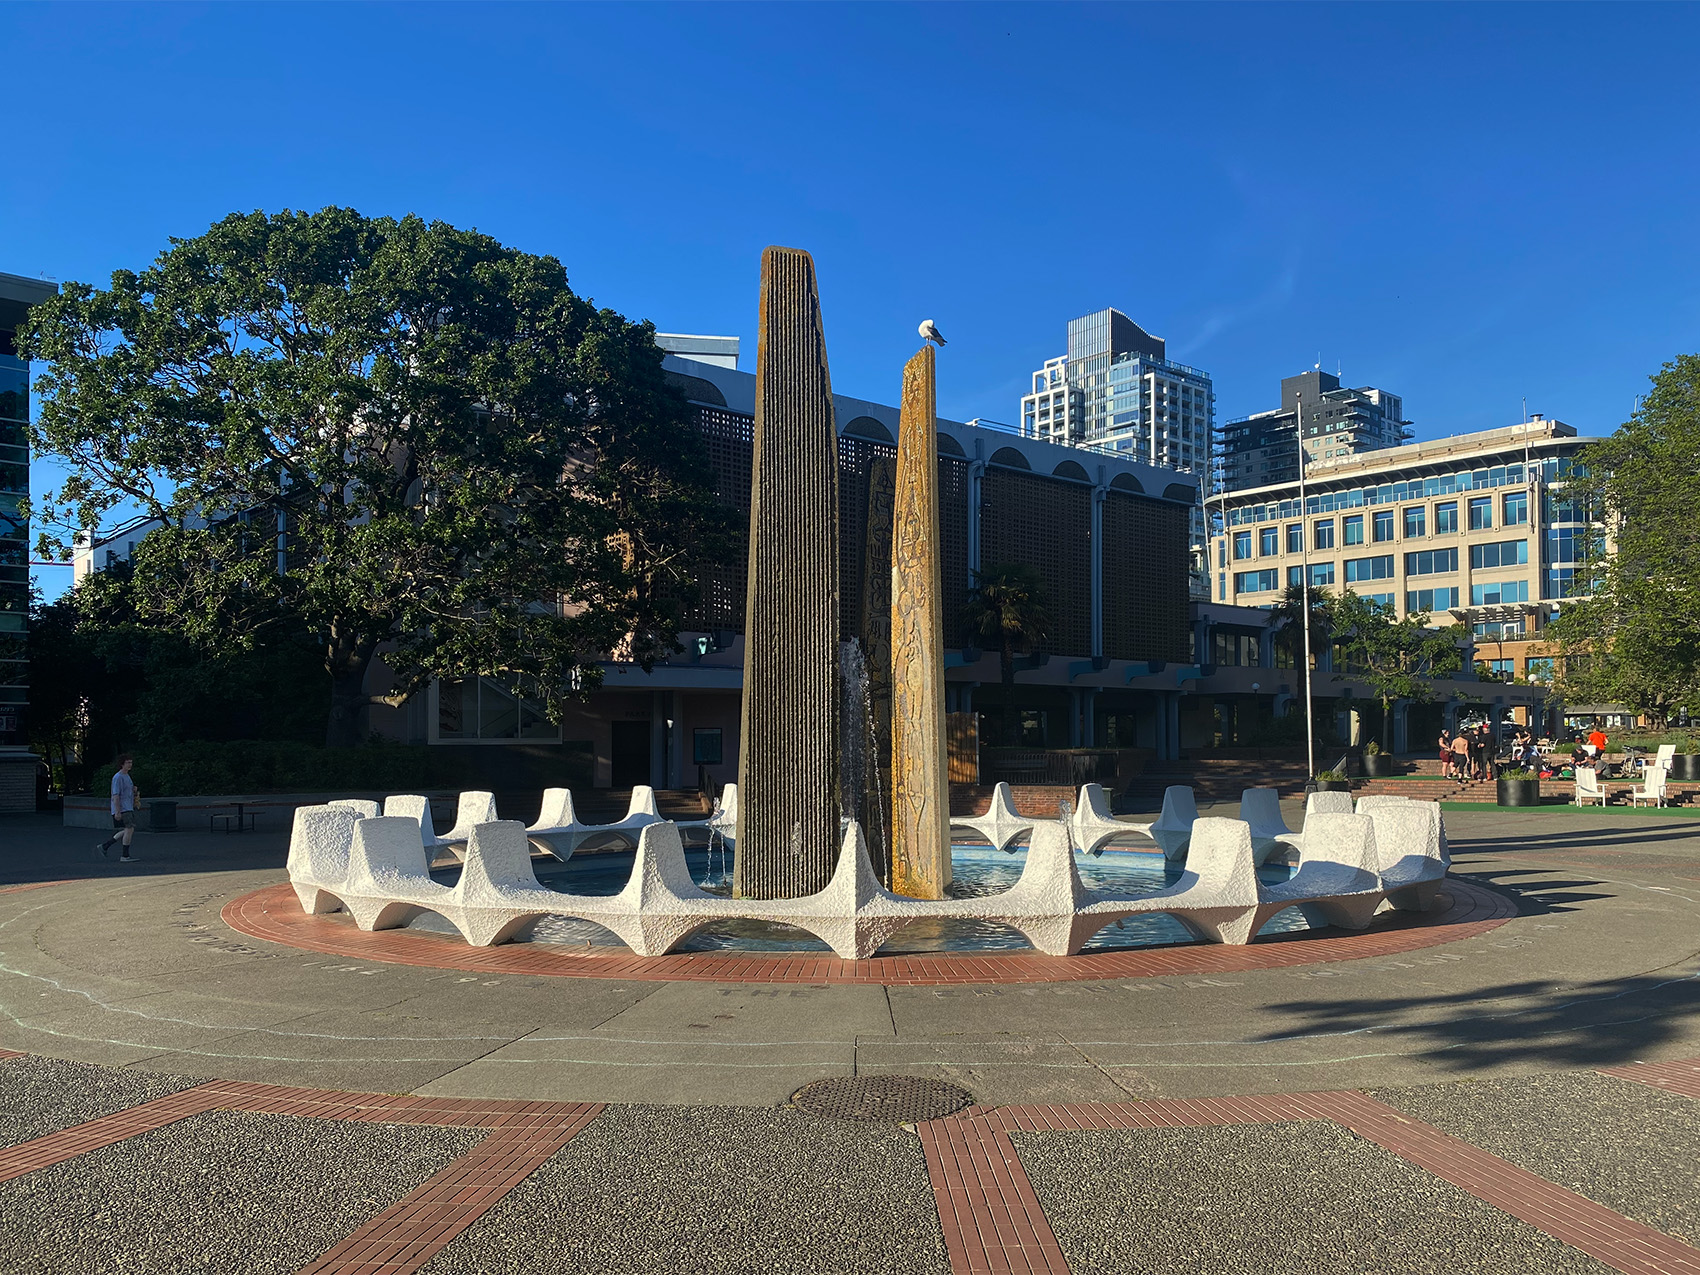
(1304, 588)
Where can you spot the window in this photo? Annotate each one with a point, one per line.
(1484, 595)
(1295, 576)
(1481, 513)
(1567, 544)
(1383, 526)
(1233, 648)
(1295, 538)
(1503, 553)
(1416, 522)
(1222, 552)
(1354, 529)
(1431, 599)
(1431, 562)
(1446, 518)
(1324, 533)
(1497, 628)
(1385, 599)
(480, 708)
(1540, 668)
(1514, 509)
(1566, 582)
(1321, 573)
(1242, 545)
(1268, 542)
(1255, 581)
(1496, 670)
(1369, 568)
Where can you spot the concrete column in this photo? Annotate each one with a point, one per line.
(1074, 732)
(1089, 717)
(1399, 736)
(1172, 715)
(676, 750)
(1098, 564)
(658, 701)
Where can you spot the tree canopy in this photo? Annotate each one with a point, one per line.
(1397, 659)
(376, 434)
(1007, 610)
(1633, 638)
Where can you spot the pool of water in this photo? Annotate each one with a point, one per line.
(978, 870)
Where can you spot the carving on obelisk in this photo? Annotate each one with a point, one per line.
(920, 823)
(787, 838)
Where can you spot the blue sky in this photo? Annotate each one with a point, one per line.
(1466, 204)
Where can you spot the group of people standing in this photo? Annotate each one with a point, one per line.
(1468, 754)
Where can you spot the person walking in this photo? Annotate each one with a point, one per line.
(1445, 753)
(123, 811)
(1461, 755)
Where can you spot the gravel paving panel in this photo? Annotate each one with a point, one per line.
(225, 1193)
(39, 1096)
(1306, 1198)
(1628, 1146)
(712, 1190)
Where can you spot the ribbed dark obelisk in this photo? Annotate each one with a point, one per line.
(788, 750)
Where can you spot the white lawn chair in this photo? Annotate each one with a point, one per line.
(1652, 791)
(1000, 825)
(1173, 830)
(360, 806)
(1338, 881)
(1588, 790)
(473, 809)
(721, 821)
(641, 811)
(1261, 808)
(1091, 824)
(1327, 803)
(555, 823)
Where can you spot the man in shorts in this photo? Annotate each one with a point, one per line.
(123, 811)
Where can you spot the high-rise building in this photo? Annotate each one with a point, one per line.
(1260, 449)
(1117, 391)
(17, 764)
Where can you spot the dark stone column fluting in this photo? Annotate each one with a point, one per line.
(788, 762)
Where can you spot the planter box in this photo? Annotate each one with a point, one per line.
(1334, 785)
(1378, 765)
(1519, 792)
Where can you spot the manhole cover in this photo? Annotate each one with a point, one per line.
(897, 1099)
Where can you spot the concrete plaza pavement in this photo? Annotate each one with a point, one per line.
(129, 978)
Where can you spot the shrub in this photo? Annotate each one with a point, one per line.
(1331, 776)
(202, 768)
(1519, 774)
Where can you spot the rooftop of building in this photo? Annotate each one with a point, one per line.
(1441, 452)
(18, 293)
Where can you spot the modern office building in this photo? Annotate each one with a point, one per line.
(17, 763)
(1474, 530)
(1338, 422)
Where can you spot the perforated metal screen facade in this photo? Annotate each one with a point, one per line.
(1045, 523)
(731, 442)
(1145, 579)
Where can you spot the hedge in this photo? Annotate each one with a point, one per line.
(243, 766)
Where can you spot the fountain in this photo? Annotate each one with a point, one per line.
(818, 718)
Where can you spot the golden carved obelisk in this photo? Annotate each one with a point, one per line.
(920, 823)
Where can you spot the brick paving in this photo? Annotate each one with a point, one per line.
(993, 1223)
(991, 1219)
(273, 914)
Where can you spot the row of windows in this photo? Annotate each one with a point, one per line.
(1431, 562)
(1499, 591)
(1503, 553)
(1514, 512)
(1380, 568)
(1555, 469)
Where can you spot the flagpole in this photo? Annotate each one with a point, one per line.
(1304, 588)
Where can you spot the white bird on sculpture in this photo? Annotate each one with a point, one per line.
(929, 331)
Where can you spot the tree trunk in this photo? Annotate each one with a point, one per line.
(347, 663)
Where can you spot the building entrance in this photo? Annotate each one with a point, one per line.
(630, 754)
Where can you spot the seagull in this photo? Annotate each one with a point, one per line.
(929, 331)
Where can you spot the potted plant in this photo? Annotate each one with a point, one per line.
(1686, 763)
(1376, 762)
(1519, 788)
(1332, 781)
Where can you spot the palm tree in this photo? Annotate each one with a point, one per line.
(1289, 637)
(1006, 609)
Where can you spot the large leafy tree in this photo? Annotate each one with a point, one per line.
(1397, 659)
(1007, 611)
(389, 436)
(1634, 638)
